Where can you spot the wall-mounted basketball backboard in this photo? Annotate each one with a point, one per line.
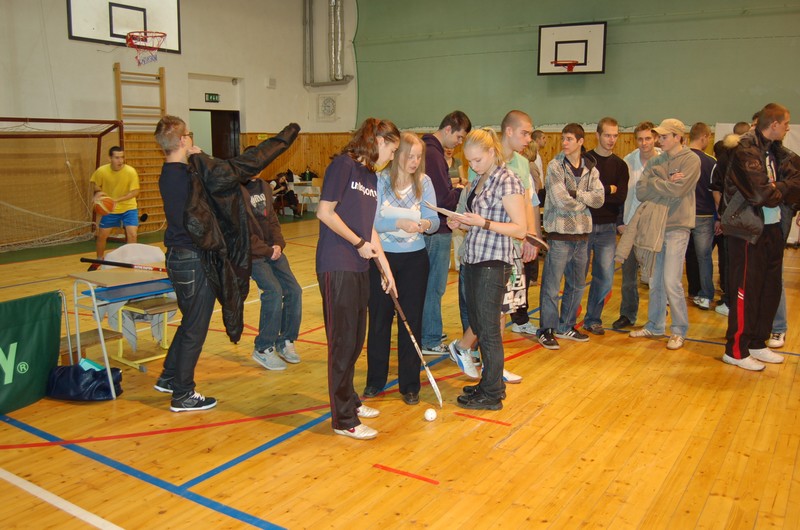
(109, 22)
(566, 43)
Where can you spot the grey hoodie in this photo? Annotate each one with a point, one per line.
(678, 196)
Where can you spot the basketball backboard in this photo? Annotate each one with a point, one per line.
(109, 22)
(585, 43)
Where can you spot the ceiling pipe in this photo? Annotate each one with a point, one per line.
(335, 45)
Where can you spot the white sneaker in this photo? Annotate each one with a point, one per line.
(639, 333)
(675, 342)
(288, 353)
(526, 328)
(748, 363)
(463, 359)
(269, 359)
(776, 340)
(702, 303)
(765, 355)
(359, 432)
(511, 378)
(367, 412)
(722, 309)
(441, 349)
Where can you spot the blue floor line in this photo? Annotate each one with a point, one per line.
(253, 452)
(145, 477)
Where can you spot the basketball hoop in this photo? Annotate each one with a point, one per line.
(568, 65)
(147, 44)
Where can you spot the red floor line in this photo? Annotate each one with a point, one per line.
(248, 326)
(470, 416)
(406, 474)
(313, 329)
(164, 431)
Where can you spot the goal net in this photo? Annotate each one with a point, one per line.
(45, 192)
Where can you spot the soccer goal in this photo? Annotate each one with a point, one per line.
(45, 192)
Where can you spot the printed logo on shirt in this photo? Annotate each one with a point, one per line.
(259, 202)
(363, 189)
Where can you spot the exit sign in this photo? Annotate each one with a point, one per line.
(212, 98)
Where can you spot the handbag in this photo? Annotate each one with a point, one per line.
(514, 296)
(74, 383)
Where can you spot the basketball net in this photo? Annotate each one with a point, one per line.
(146, 44)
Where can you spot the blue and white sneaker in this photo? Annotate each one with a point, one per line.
(463, 359)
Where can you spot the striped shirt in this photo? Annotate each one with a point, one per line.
(486, 245)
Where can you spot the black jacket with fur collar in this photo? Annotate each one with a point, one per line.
(216, 219)
(747, 187)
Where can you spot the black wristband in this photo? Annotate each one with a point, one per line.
(360, 243)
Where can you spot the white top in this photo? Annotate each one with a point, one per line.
(635, 169)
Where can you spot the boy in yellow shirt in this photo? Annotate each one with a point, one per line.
(120, 182)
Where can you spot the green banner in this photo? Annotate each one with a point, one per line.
(30, 333)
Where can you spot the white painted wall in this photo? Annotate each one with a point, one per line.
(45, 74)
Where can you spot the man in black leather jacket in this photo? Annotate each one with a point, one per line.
(762, 174)
(208, 245)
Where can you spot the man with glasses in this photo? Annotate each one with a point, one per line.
(208, 246)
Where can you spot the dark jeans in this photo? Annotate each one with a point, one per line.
(410, 270)
(754, 286)
(345, 296)
(196, 302)
(484, 288)
(281, 302)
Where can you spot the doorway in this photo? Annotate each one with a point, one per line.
(216, 132)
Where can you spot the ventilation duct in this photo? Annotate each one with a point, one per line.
(335, 45)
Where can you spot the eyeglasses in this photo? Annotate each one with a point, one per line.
(189, 134)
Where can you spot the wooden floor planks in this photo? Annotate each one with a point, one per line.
(616, 432)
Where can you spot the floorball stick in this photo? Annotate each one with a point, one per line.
(124, 265)
(402, 316)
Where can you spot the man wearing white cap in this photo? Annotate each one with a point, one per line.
(669, 180)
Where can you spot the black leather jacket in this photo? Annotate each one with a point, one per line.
(747, 187)
(216, 220)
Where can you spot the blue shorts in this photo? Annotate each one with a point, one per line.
(115, 220)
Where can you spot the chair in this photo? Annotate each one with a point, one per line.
(311, 194)
(159, 307)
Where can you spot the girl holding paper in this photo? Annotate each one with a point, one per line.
(400, 221)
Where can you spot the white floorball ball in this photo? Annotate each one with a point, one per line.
(430, 415)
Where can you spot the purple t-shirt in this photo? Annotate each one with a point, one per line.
(355, 190)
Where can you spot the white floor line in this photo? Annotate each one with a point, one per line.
(58, 502)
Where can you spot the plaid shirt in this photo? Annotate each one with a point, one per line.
(486, 245)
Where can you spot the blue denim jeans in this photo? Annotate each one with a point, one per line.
(438, 247)
(629, 306)
(703, 237)
(566, 259)
(602, 245)
(779, 323)
(196, 302)
(666, 284)
(281, 302)
(484, 288)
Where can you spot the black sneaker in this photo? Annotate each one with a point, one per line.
(163, 385)
(573, 334)
(548, 340)
(193, 401)
(479, 401)
(473, 389)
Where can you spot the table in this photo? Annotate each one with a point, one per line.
(114, 285)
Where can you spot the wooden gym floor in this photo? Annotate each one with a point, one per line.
(616, 432)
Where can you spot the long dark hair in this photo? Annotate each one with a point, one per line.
(363, 146)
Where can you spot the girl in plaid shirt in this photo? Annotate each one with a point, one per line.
(495, 214)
